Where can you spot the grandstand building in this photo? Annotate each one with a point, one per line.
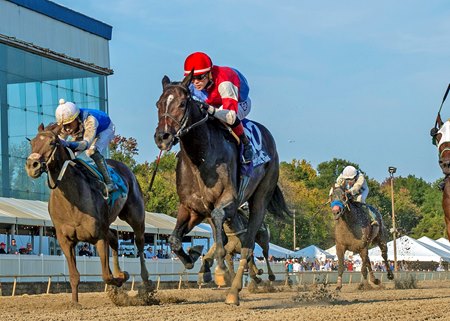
(47, 52)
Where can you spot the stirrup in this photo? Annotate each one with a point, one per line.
(374, 223)
(111, 187)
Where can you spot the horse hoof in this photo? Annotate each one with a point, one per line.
(376, 282)
(272, 278)
(257, 280)
(124, 276)
(207, 277)
(189, 266)
(390, 276)
(260, 271)
(232, 299)
(219, 277)
(338, 288)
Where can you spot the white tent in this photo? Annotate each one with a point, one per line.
(332, 250)
(274, 250)
(444, 241)
(409, 249)
(312, 252)
(435, 244)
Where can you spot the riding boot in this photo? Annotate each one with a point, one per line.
(103, 169)
(247, 155)
(373, 216)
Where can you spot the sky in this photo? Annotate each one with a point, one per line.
(356, 80)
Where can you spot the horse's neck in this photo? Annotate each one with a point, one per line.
(57, 169)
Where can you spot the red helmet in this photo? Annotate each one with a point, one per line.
(198, 61)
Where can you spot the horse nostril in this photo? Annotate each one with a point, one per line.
(35, 164)
(165, 136)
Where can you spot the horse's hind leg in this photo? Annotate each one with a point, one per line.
(103, 252)
(114, 244)
(263, 239)
(68, 248)
(204, 274)
(383, 248)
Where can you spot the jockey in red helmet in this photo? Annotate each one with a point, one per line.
(223, 88)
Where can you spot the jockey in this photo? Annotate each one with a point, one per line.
(226, 91)
(354, 183)
(90, 130)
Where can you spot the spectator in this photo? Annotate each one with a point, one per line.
(13, 247)
(29, 249)
(85, 251)
(148, 253)
(2, 248)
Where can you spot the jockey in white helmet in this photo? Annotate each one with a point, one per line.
(90, 130)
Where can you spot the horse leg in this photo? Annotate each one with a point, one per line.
(253, 270)
(340, 251)
(263, 239)
(186, 221)
(364, 266)
(218, 216)
(68, 248)
(257, 211)
(383, 248)
(204, 274)
(114, 244)
(103, 252)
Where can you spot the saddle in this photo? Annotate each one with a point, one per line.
(90, 170)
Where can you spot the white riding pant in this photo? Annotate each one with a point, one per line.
(102, 140)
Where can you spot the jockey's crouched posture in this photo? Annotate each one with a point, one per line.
(355, 185)
(226, 91)
(90, 130)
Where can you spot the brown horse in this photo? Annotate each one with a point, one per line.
(443, 143)
(232, 229)
(208, 178)
(354, 232)
(79, 211)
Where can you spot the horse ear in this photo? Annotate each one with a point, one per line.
(57, 129)
(41, 127)
(187, 80)
(165, 81)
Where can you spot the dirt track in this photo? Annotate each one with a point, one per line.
(431, 301)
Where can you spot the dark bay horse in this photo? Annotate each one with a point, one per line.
(443, 143)
(208, 178)
(354, 232)
(79, 211)
(232, 229)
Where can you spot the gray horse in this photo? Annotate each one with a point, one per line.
(354, 232)
(79, 211)
(208, 178)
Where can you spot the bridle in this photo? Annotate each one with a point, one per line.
(184, 129)
(45, 163)
(341, 201)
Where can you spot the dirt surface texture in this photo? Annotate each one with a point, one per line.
(429, 301)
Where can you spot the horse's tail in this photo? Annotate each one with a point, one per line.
(277, 205)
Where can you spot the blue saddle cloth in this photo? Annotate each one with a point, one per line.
(261, 156)
(122, 189)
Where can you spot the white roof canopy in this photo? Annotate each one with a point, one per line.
(35, 213)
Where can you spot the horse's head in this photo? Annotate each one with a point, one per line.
(172, 112)
(339, 201)
(43, 148)
(443, 142)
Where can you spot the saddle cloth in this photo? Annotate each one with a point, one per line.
(254, 134)
(122, 189)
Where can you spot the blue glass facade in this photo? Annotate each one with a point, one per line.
(30, 87)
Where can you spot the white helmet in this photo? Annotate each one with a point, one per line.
(66, 112)
(349, 172)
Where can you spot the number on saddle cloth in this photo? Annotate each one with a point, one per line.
(254, 134)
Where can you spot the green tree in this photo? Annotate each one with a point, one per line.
(124, 150)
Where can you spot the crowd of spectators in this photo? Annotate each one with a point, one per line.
(14, 249)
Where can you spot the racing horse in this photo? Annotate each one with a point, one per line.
(442, 140)
(80, 212)
(207, 176)
(354, 232)
(232, 229)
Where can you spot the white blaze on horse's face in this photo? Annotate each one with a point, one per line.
(168, 101)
